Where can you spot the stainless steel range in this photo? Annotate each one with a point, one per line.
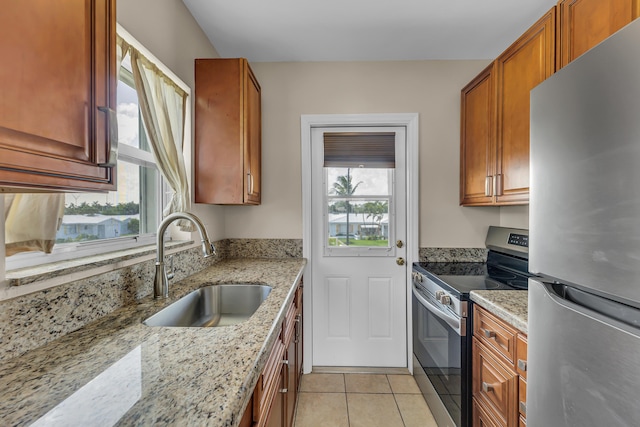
(442, 322)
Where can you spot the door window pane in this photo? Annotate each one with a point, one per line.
(359, 201)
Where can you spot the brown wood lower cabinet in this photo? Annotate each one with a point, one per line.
(274, 398)
(481, 418)
(498, 373)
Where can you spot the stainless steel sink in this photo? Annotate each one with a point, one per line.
(215, 305)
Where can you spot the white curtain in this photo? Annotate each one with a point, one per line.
(163, 108)
(31, 222)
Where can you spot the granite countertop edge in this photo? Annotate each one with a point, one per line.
(181, 376)
(508, 305)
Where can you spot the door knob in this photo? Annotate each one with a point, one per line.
(399, 243)
(400, 261)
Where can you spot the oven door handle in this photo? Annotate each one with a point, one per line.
(452, 321)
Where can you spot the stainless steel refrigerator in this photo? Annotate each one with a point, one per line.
(584, 314)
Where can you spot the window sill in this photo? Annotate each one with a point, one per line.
(78, 268)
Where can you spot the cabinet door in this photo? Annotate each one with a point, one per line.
(291, 385)
(494, 385)
(253, 138)
(477, 140)
(276, 416)
(585, 23)
(57, 86)
(298, 341)
(227, 132)
(525, 64)
(481, 418)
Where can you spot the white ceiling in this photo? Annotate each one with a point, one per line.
(364, 30)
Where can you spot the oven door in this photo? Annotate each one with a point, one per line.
(441, 360)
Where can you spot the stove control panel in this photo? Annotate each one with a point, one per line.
(519, 240)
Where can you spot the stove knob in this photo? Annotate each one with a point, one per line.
(439, 295)
(446, 300)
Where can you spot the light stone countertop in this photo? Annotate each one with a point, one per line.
(510, 306)
(117, 371)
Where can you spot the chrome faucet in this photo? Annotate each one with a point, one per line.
(160, 282)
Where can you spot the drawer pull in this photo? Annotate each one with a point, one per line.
(523, 408)
(486, 387)
(488, 333)
(285, 362)
(284, 390)
(522, 365)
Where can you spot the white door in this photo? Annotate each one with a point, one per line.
(358, 238)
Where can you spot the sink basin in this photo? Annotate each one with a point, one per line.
(215, 305)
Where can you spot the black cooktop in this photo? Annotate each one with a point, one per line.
(500, 272)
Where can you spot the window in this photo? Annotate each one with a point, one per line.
(358, 205)
(101, 222)
(133, 210)
(359, 172)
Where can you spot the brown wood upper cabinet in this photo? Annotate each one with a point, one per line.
(495, 119)
(477, 141)
(524, 65)
(227, 133)
(585, 23)
(58, 85)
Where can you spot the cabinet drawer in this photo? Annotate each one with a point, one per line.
(290, 318)
(290, 324)
(494, 385)
(481, 417)
(522, 398)
(269, 379)
(521, 355)
(495, 334)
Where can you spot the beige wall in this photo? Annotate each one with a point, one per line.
(167, 29)
(430, 88)
(515, 216)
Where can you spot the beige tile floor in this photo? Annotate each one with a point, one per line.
(367, 400)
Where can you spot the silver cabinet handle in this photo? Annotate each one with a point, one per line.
(486, 387)
(488, 183)
(284, 390)
(522, 365)
(488, 333)
(285, 362)
(498, 185)
(296, 338)
(112, 136)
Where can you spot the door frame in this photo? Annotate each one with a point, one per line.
(406, 120)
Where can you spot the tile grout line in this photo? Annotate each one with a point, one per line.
(346, 399)
(396, 401)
